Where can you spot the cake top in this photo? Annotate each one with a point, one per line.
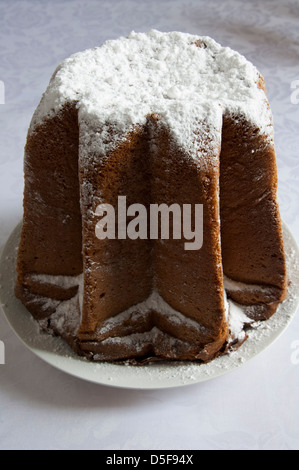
(184, 79)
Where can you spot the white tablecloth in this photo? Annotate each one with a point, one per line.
(255, 407)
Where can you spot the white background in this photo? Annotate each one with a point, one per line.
(255, 407)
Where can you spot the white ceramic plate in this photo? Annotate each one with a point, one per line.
(54, 351)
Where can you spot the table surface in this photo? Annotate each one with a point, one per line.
(255, 407)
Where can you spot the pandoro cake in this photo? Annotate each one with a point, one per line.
(157, 118)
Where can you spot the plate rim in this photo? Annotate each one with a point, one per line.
(146, 377)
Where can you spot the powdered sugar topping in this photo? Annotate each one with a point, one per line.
(182, 78)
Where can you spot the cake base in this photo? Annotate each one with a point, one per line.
(56, 352)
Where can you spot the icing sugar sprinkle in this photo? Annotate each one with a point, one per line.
(184, 79)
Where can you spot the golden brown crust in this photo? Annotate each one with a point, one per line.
(251, 235)
(121, 273)
(51, 240)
